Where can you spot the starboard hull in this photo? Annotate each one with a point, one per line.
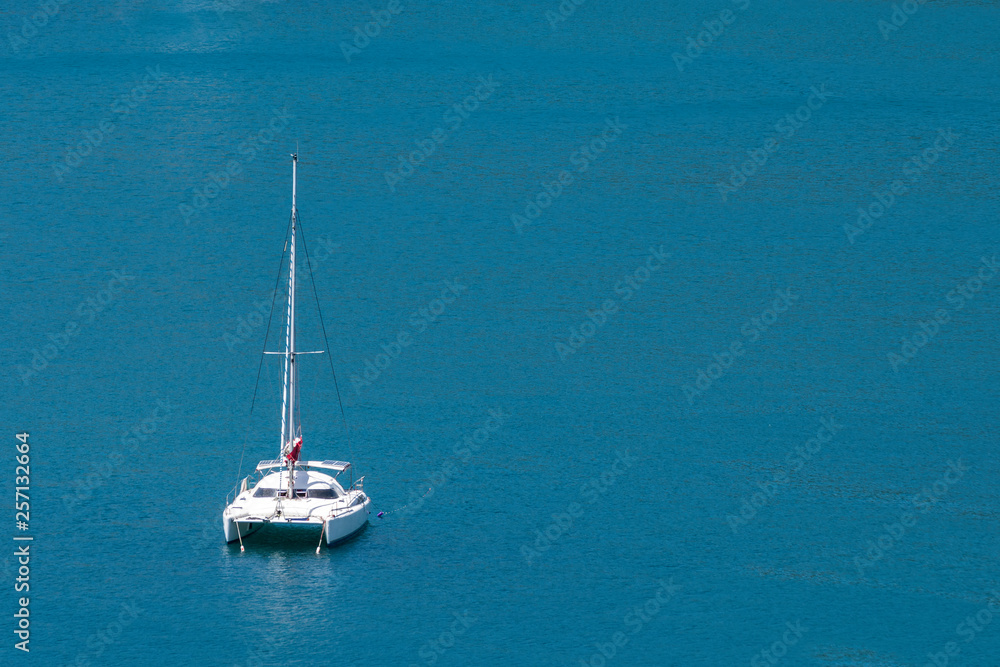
(348, 524)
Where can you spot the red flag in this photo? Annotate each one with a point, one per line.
(293, 455)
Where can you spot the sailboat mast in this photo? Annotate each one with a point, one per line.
(289, 431)
(293, 380)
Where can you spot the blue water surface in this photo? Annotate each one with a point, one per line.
(663, 335)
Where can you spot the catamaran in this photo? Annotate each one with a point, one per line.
(286, 493)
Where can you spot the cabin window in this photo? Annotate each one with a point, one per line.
(323, 493)
(265, 493)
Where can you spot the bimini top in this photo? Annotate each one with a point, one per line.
(339, 466)
(304, 479)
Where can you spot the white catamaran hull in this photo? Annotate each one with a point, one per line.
(342, 526)
(347, 524)
(339, 513)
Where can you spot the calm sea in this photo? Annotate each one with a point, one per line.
(699, 303)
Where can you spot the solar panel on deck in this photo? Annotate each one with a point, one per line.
(336, 465)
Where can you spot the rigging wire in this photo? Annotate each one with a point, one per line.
(329, 354)
(270, 316)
